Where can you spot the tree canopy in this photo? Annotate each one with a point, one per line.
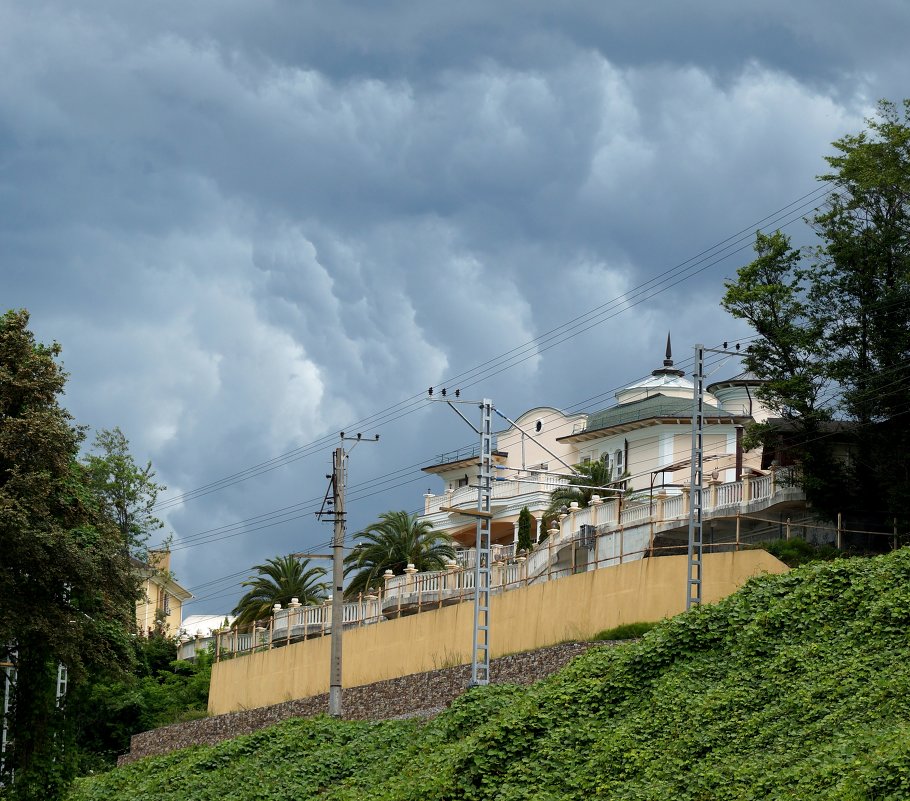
(280, 580)
(393, 542)
(127, 490)
(833, 325)
(67, 593)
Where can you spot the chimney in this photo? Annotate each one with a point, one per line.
(160, 560)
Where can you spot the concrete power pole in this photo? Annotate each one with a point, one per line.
(337, 515)
(338, 470)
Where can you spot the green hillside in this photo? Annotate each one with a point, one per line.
(796, 687)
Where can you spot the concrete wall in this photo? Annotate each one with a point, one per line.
(571, 608)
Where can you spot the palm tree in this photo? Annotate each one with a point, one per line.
(280, 580)
(391, 543)
(591, 479)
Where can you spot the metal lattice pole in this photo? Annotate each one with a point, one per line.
(480, 660)
(693, 581)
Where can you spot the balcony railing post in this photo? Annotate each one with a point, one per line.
(713, 485)
(410, 582)
(451, 577)
(685, 503)
(747, 488)
(552, 533)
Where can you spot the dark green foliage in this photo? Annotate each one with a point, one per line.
(833, 329)
(797, 686)
(280, 580)
(796, 551)
(127, 492)
(627, 631)
(67, 590)
(391, 543)
(525, 521)
(161, 691)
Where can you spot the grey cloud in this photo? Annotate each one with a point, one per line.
(250, 226)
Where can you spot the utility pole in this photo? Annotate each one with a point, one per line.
(480, 662)
(696, 476)
(338, 465)
(480, 640)
(696, 483)
(337, 513)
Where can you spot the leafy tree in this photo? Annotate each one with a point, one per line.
(525, 522)
(67, 592)
(834, 327)
(128, 491)
(391, 543)
(280, 580)
(159, 691)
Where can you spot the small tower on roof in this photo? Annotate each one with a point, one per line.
(666, 380)
(668, 368)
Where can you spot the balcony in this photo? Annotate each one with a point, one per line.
(502, 491)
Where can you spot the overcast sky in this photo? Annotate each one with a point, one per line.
(253, 225)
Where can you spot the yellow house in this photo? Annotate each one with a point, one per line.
(160, 607)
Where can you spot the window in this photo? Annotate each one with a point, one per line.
(618, 464)
(586, 460)
(463, 482)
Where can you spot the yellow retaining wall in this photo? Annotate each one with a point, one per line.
(571, 608)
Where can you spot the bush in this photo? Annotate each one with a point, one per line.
(627, 631)
(795, 552)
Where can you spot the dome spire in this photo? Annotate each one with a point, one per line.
(668, 368)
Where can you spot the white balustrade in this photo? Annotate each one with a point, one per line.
(636, 514)
(730, 493)
(673, 507)
(760, 487)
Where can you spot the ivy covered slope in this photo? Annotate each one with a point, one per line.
(797, 686)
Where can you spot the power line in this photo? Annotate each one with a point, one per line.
(555, 336)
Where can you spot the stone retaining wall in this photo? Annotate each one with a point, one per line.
(420, 694)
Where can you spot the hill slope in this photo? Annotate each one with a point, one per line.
(797, 686)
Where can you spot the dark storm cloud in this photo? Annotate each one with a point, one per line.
(251, 224)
